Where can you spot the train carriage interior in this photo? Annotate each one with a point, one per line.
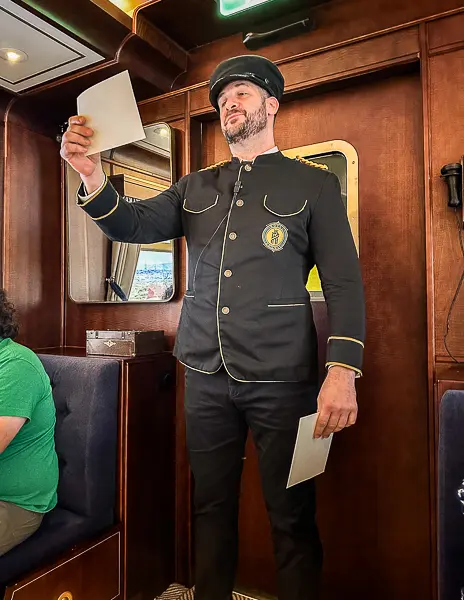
(110, 308)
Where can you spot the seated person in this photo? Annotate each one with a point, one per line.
(28, 461)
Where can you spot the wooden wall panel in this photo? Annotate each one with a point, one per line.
(200, 100)
(444, 33)
(162, 109)
(376, 531)
(32, 228)
(358, 58)
(448, 378)
(333, 65)
(447, 145)
(337, 22)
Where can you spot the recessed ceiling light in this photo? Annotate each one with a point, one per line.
(163, 132)
(12, 55)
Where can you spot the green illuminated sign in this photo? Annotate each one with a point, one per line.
(230, 7)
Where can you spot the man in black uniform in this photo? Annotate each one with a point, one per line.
(255, 225)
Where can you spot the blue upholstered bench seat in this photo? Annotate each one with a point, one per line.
(450, 477)
(85, 391)
(60, 530)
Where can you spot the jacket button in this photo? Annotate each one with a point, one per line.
(240, 203)
(232, 236)
(228, 273)
(247, 167)
(225, 310)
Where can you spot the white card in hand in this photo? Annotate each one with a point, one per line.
(111, 111)
(310, 454)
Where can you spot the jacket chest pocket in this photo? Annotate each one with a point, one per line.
(282, 205)
(200, 204)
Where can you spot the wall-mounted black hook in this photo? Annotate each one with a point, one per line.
(452, 174)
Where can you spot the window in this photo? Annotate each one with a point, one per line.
(340, 158)
(154, 276)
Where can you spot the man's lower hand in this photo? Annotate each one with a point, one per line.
(336, 402)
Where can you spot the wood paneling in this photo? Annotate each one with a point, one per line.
(32, 227)
(433, 417)
(320, 67)
(163, 109)
(148, 63)
(5, 99)
(446, 33)
(200, 101)
(87, 573)
(184, 541)
(448, 378)
(201, 21)
(337, 22)
(375, 532)
(358, 58)
(149, 424)
(447, 143)
(158, 39)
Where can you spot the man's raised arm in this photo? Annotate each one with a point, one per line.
(145, 222)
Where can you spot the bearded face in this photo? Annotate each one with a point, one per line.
(241, 124)
(244, 110)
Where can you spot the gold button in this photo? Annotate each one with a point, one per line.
(240, 203)
(228, 273)
(232, 236)
(247, 167)
(225, 310)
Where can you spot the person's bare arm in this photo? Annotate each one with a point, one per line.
(9, 428)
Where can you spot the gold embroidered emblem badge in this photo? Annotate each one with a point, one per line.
(275, 236)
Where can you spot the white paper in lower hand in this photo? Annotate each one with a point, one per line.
(111, 111)
(310, 454)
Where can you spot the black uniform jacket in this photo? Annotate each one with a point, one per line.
(254, 230)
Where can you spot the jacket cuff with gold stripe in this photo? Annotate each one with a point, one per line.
(102, 203)
(345, 352)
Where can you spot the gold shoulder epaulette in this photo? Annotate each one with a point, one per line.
(219, 164)
(311, 163)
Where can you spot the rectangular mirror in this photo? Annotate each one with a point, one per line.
(100, 270)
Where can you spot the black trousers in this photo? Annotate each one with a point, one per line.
(219, 411)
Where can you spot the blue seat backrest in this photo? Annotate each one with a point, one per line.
(86, 395)
(450, 477)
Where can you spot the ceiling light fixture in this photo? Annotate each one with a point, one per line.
(12, 55)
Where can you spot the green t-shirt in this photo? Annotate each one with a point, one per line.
(29, 464)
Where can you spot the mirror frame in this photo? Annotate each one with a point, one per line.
(175, 242)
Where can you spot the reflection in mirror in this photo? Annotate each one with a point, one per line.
(340, 158)
(104, 271)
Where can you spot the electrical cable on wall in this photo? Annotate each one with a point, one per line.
(458, 289)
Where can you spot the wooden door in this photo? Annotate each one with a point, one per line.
(374, 508)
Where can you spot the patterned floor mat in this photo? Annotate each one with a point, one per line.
(179, 592)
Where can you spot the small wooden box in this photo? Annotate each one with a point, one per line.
(124, 343)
